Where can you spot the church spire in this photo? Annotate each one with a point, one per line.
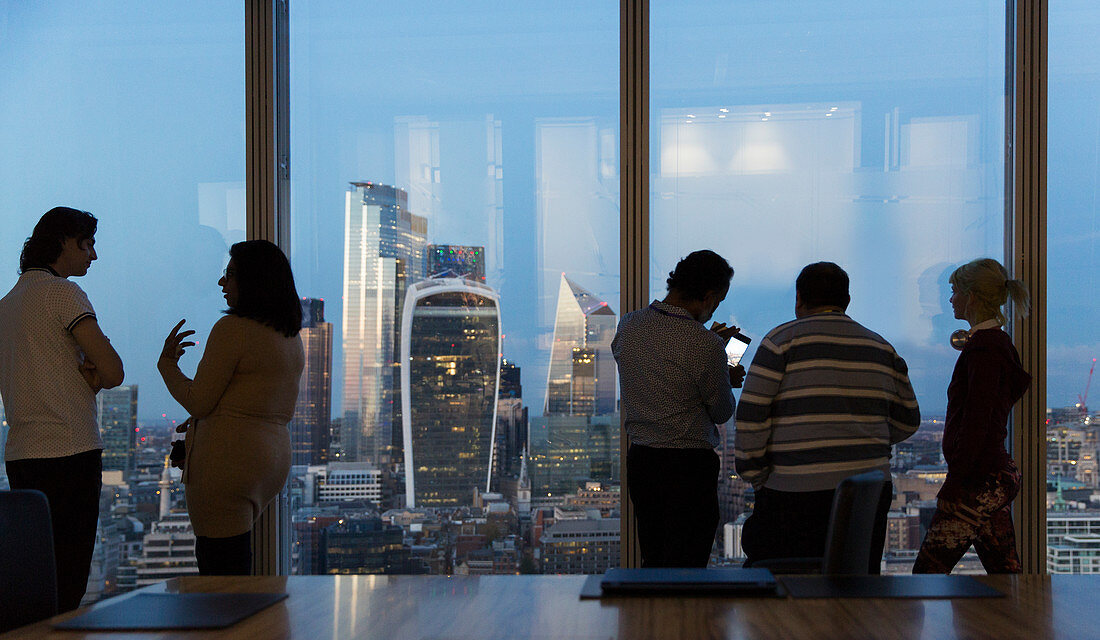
(165, 489)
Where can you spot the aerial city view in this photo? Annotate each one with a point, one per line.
(455, 241)
(440, 464)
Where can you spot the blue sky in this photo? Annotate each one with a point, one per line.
(135, 111)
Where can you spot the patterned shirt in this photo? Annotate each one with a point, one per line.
(824, 399)
(50, 409)
(673, 379)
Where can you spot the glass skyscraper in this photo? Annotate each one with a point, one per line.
(577, 437)
(384, 248)
(118, 424)
(451, 347)
(581, 380)
(309, 430)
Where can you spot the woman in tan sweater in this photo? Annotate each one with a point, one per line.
(242, 397)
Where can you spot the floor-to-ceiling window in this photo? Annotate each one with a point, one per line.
(862, 133)
(461, 163)
(134, 111)
(1073, 264)
(455, 232)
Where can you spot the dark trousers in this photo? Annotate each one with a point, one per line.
(71, 485)
(230, 556)
(675, 498)
(795, 524)
(982, 517)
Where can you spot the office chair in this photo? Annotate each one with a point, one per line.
(851, 527)
(28, 577)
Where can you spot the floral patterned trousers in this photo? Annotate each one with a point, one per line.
(981, 518)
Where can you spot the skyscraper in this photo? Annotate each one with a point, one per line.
(577, 437)
(451, 347)
(511, 431)
(383, 253)
(309, 430)
(581, 380)
(456, 260)
(568, 451)
(118, 423)
(510, 383)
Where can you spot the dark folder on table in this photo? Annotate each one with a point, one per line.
(687, 581)
(147, 611)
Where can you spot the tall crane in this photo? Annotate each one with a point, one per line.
(1082, 399)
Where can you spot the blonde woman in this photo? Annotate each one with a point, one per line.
(982, 479)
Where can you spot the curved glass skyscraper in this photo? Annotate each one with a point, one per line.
(450, 354)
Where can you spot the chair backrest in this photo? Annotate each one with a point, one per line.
(28, 578)
(852, 523)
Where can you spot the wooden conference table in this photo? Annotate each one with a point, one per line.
(548, 607)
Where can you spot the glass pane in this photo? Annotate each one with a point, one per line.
(133, 111)
(870, 135)
(1073, 243)
(455, 234)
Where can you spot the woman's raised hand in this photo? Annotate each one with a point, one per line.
(174, 347)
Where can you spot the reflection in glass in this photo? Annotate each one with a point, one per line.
(468, 161)
(792, 133)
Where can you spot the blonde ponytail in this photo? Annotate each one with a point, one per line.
(986, 282)
(1021, 299)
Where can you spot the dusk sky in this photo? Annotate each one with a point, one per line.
(865, 133)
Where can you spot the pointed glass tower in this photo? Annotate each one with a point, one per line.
(581, 380)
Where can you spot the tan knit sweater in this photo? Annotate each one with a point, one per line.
(238, 447)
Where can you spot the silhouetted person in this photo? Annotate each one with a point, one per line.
(825, 398)
(974, 504)
(242, 397)
(53, 360)
(676, 389)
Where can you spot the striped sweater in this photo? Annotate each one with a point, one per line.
(824, 399)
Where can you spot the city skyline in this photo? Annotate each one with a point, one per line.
(779, 134)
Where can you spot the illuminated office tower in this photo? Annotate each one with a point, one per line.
(118, 423)
(451, 347)
(511, 431)
(568, 451)
(456, 260)
(309, 430)
(581, 380)
(511, 386)
(384, 248)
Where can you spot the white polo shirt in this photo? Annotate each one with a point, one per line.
(51, 411)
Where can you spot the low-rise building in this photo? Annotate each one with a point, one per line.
(581, 546)
(167, 551)
(1075, 553)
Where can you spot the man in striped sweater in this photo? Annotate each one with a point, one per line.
(824, 399)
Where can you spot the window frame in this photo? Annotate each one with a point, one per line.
(268, 197)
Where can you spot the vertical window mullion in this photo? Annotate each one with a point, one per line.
(1026, 254)
(268, 197)
(634, 206)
